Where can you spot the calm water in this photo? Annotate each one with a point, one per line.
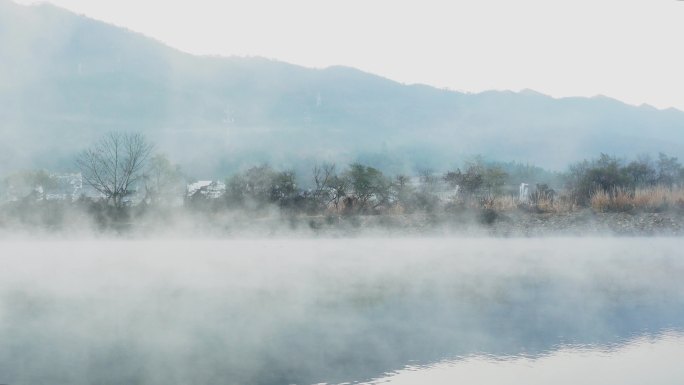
(642, 360)
(399, 311)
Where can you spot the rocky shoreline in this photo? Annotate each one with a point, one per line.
(508, 224)
(587, 222)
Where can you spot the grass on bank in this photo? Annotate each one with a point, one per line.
(541, 203)
(648, 199)
(651, 199)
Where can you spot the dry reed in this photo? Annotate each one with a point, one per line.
(656, 198)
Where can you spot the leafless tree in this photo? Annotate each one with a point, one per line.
(339, 186)
(323, 176)
(114, 164)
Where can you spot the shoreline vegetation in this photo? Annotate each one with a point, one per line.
(124, 188)
(58, 218)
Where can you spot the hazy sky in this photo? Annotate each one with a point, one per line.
(632, 50)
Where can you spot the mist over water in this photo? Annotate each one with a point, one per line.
(174, 219)
(331, 310)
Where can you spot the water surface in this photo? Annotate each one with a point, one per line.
(339, 310)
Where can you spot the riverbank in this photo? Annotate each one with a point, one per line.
(180, 222)
(517, 223)
(587, 222)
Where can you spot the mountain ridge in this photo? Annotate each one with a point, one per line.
(70, 78)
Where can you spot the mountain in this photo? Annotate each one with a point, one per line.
(66, 79)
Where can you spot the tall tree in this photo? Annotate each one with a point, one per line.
(114, 164)
(369, 185)
(669, 169)
(163, 180)
(323, 177)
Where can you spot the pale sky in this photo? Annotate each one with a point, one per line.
(632, 50)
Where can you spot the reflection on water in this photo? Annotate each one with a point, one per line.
(327, 311)
(642, 360)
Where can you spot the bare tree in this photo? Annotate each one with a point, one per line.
(114, 164)
(323, 176)
(339, 186)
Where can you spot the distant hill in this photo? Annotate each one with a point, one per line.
(66, 79)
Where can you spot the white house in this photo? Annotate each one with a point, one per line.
(206, 188)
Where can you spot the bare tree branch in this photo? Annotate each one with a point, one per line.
(114, 164)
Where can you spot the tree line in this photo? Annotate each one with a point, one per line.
(121, 165)
(609, 174)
